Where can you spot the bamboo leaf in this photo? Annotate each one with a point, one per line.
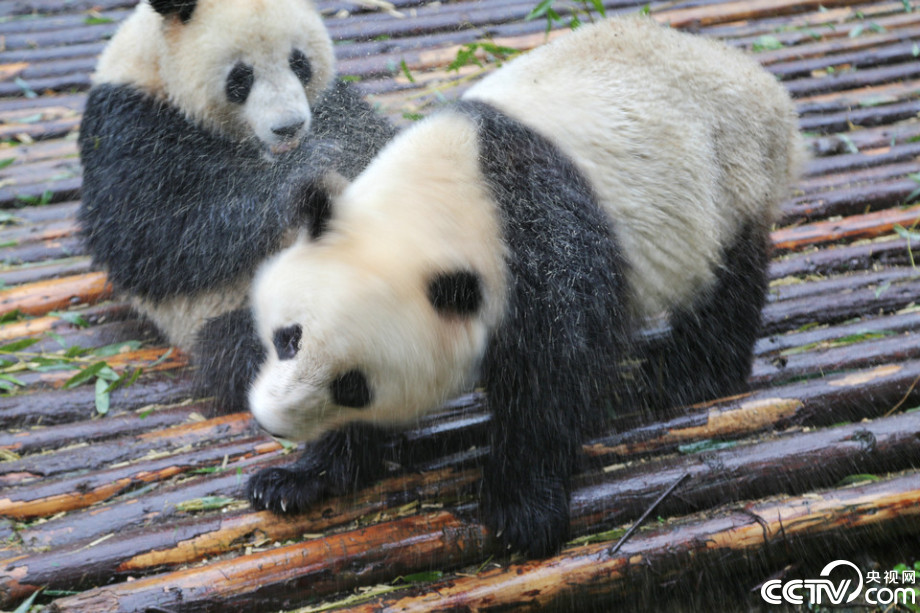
(85, 375)
(18, 345)
(116, 348)
(103, 398)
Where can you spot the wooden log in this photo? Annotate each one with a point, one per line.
(836, 46)
(880, 54)
(94, 315)
(867, 394)
(185, 540)
(842, 283)
(59, 294)
(39, 252)
(887, 251)
(103, 454)
(869, 225)
(842, 81)
(33, 440)
(872, 116)
(731, 539)
(276, 578)
(792, 314)
(771, 346)
(46, 271)
(53, 496)
(869, 138)
(48, 408)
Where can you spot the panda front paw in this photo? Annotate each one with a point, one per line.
(533, 519)
(284, 490)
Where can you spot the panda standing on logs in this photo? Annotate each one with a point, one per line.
(518, 239)
(207, 123)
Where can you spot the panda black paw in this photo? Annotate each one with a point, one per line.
(533, 520)
(284, 490)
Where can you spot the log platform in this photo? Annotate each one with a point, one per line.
(120, 492)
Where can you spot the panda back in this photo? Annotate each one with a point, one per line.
(684, 141)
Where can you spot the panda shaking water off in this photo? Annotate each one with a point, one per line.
(518, 239)
(205, 122)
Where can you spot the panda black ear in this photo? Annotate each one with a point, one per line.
(182, 8)
(455, 293)
(313, 201)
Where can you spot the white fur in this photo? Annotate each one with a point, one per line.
(359, 293)
(188, 63)
(683, 139)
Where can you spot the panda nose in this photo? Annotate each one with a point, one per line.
(288, 131)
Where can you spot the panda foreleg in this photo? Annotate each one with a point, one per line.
(339, 462)
(709, 351)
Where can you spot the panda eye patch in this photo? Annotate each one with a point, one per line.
(455, 293)
(351, 390)
(239, 83)
(287, 341)
(300, 65)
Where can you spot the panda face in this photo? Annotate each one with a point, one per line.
(347, 343)
(248, 69)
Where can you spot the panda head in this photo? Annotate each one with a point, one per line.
(247, 69)
(348, 341)
(384, 310)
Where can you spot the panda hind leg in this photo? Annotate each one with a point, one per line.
(709, 351)
(341, 461)
(227, 353)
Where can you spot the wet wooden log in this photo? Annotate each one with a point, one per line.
(52, 496)
(274, 578)
(869, 225)
(729, 542)
(32, 440)
(193, 537)
(47, 408)
(59, 294)
(103, 454)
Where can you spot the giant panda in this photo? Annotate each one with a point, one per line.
(204, 118)
(518, 239)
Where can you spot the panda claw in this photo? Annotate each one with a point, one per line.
(284, 505)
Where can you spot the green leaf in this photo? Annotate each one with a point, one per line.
(405, 70)
(27, 91)
(422, 577)
(27, 603)
(707, 445)
(102, 396)
(116, 348)
(18, 345)
(766, 43)
(905, 233)
(6, 162)
(854, 479)
(12, 379)
(14, 315)
(539, 10)
(71, 317)
(85, 375)
(206, 503)
(599, 7)
(95, 21)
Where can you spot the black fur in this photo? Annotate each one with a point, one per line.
(170, 209)
(287, 341)
(228, 354)
(351, 389)
(455, 293)
(551, 362)
(707, 353)
(183, 8)
(239, 83)
(338, 463)
(300, 65)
